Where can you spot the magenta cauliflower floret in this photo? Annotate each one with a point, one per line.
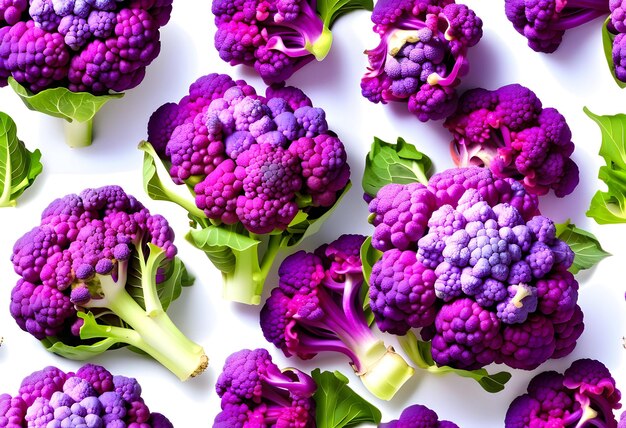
(508, 131)
(585, 395)
(317, 307)
(544, 22)
(95, 46)
(421, 56)
(485, 276)
(76, 279)
(262, 167)
(416, 416)
(54, 399)
(254, 390)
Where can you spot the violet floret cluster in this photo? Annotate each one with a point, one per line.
(94, 268)
(468, 259)
(420, 416)
(254, 390)
(92, 397)
(276, 37)
(91, 46)
(253, 160)
(508, 131)
(422, 54)
(317, 307)
(584, 395)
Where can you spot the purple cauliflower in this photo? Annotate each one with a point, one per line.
(93, 46)
(616, 27)
(421, 56)
(509, 132)
(90, 274)
(88, 398)
(317, 307)
(473, 263)
(584, 395)
(416, 416)
(544, 22)
(261, 169)
(276, 37)
(254, 391)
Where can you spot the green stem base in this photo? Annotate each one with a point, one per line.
(78, 134)
(385, 371)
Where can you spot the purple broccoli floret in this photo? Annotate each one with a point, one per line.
(483, 275)
(54, 399)
(254, 390)
(262, 167)
(420, 416)
(421, 56)
(508, 131)
(585, 395)
(75, 283)
(11, 11)
(316, 307)
(544, 22)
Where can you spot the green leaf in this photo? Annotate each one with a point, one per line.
(337, 405)
(420, 353)
(63, 103)
(586, 247)
(369, 256)
(154, 187)
(18, 166)
(610, 206)
(607, 45)
(330, 10)
(399, 163)
(309, 225)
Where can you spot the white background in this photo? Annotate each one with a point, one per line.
(576, 75)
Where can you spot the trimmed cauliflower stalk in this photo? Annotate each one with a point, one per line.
(544, 22)
(255, 391)
(277, 37)
(84, 48)
(584, 395)
(91, 397)
(468, 259)
(260, 170)
(420, 416)
(317, 307)
(508, 131)
(99, 272)
(422, 54)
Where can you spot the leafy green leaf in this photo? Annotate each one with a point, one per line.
(586, 247)
(157, 190)
(369, 256)
(63, 103)
(420, 353)
(309, 224)
(607, 45)
(18, 166)
(330, 10)
(610, 206)
(337, 405)
(399, 163)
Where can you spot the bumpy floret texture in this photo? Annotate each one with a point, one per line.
(252, 160)
(544, 22)
(584, 395)
(480, 271)
(255, 392)
(88, 398)
(618, 28)
(93, 46)
(421, 56)
(80, 238)
(508, 131)
(418, 416)
(276, 37)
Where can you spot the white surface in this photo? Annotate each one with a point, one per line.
(574, 76)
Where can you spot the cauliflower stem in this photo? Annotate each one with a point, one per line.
(78, 134)
(151, 329)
